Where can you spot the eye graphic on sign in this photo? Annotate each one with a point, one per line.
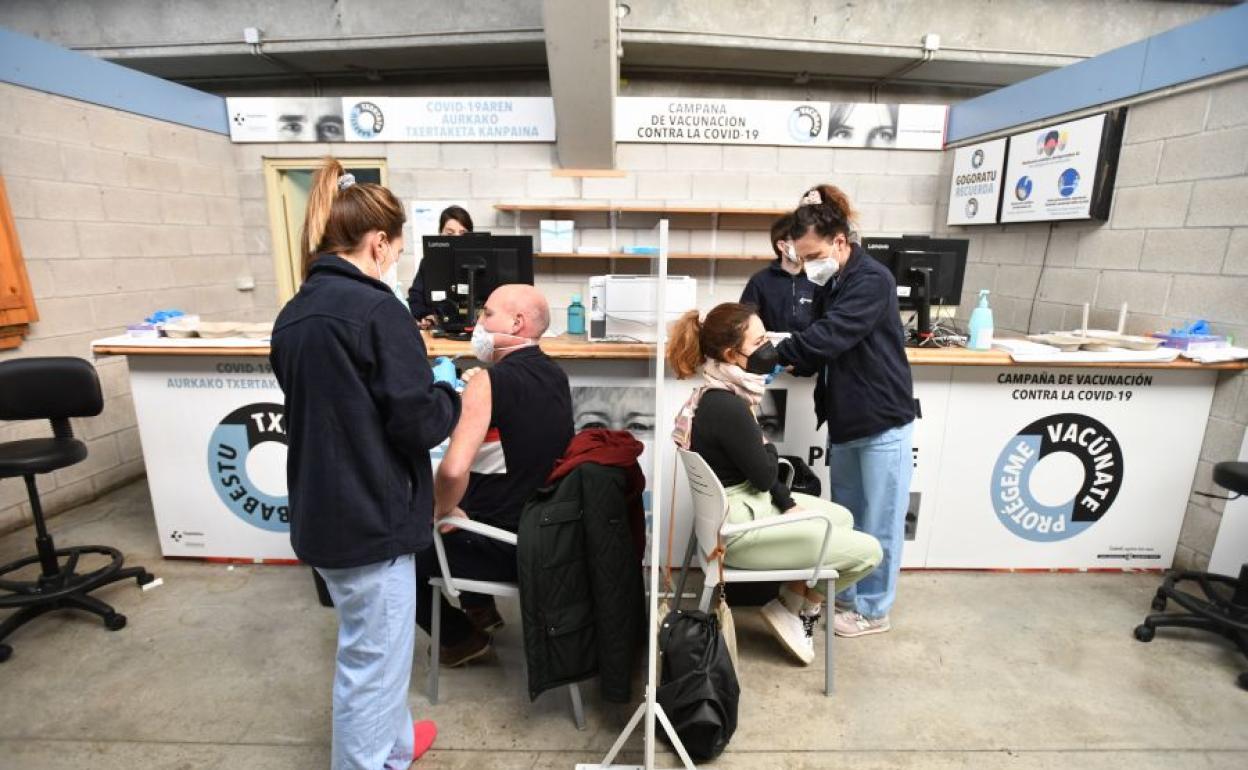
(972, 208)
(1093, 478)
(977, 158)
(247, 463)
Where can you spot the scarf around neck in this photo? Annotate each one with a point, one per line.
(718, 376)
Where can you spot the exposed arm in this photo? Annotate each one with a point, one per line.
(452, 478)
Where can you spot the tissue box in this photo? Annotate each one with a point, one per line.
(557, 236)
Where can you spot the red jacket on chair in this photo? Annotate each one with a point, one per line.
(618, 449)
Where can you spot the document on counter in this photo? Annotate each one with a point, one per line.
(1216, 355)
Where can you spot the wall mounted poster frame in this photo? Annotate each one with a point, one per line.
(1064, 171)
(975, 185)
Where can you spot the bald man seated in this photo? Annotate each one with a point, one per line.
(516, 421)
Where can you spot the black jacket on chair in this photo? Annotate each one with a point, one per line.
(581, 594)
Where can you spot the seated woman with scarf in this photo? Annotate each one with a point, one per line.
(718, 422)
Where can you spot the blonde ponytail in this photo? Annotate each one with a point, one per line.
(692, 341)
(320, 203)
(338, 218)
(684, 350)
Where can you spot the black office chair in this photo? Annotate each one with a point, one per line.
(1221, 606)
(53, 389)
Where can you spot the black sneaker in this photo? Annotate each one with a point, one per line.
(485, 619)
(475, 645)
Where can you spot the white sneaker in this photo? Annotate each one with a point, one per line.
(851, 624)
(789, 630)
(810, 621)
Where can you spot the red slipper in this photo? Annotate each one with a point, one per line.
(423, 734)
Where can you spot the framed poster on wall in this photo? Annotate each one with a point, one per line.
(975, 187)
(1063, 171)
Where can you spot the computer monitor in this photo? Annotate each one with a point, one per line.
(460, 272)
(929, 271)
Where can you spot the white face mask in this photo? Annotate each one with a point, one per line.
(790, 253)
(482, 344)
(820, 271)
(484, 347)
(390, 277)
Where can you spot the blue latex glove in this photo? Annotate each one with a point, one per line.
(444, 371)
(160, 316)
(768, 378)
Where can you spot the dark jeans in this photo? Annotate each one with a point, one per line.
(471, 557)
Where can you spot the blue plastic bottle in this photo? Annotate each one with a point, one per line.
(981, 324)
(576, 316)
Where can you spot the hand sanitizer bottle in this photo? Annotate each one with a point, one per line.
(576, 316)
(981, 324)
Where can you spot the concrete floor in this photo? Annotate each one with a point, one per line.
(231, 668)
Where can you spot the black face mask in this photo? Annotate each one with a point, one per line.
(763, 360)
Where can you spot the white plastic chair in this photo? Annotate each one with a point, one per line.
(710, 526)
(452, 586)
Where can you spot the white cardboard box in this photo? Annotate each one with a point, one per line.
(557, 236)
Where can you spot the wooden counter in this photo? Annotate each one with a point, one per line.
(575, 348)
(964, 357)
(562, 346)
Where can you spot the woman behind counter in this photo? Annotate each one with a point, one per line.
(363, 409)
(454, 220)
(719, 423)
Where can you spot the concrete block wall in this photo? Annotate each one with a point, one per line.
(897, 191)
(1175, 248)
(118, 215)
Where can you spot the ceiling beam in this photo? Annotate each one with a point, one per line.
(581, 40)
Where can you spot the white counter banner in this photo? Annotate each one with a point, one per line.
(218, 482)
(975, 186)
(785, 123)
(1051, 172)
(392, 119)
(1069, 468)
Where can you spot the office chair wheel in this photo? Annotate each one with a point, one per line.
(6, 651)
(115, 622)
(1159, 602)
(1145, 633)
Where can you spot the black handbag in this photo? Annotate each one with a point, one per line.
(698, 687)
(804, 479)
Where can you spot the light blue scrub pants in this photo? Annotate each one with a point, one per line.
(376, 606)
(871, 477)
